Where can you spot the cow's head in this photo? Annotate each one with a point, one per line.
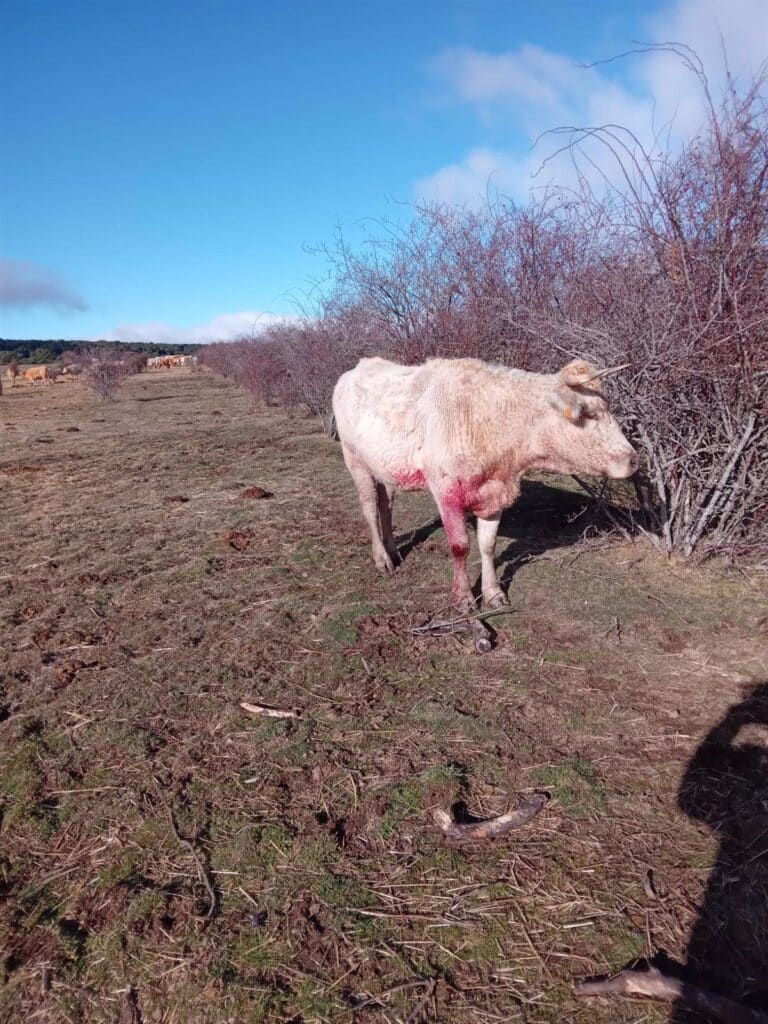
(580, 434)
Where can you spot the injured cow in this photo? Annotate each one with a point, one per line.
(468, 431)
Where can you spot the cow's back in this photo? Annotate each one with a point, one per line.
(376, 406)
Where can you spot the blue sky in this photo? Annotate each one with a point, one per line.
(166, 165)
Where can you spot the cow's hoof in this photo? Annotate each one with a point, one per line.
(395, 557)
(497, 599)
(384, 564)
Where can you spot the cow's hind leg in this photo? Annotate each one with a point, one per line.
(385, 493)
(369, 503)
(493, 596)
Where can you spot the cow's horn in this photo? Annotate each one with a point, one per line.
(604, 373)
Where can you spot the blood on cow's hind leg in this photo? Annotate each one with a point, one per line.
(455, 527)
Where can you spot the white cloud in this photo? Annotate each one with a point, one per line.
(483, 175)
(224, 327)
(531, 75)
(532, 90)
(24, 285)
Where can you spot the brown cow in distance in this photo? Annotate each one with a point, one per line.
(37, 374)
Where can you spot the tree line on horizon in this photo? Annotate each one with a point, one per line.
(47, 350)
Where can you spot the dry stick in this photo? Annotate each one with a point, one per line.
(418, 1010)
(402, 987)
(492, 828)
(202, 870)
(129, 1008)
(655, 985)
(462, 624)
(270, 712)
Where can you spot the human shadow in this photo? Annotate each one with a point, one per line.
(726, 787)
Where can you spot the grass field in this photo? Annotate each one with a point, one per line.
(232, 868)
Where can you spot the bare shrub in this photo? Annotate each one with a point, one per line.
(673, 279)
(104, 369)
(294, 365)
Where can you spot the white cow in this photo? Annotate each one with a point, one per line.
(468, 431)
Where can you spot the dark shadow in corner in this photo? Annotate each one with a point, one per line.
(726, 787)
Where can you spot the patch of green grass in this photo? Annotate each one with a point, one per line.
(342, 627)
(246, 957)
(126, 870)
(443, 773)
(338, 891)
(553, 658)
(575, 783)
(22, 785)
(445, 721)
(621, 946)
(309, 554)
(317, 854)
(145, 907)
(313, 1003)
(488, 947)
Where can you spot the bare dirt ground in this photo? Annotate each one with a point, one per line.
(232, 868)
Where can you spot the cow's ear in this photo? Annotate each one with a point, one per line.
(567, 403)
(579, 371)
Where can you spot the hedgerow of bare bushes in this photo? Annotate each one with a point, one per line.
(101, 369)
(663, 267)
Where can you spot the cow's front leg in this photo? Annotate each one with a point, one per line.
(493, 595)
(456, 531)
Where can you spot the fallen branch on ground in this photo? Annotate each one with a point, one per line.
(461, 624)
(380, 997)
(202, 871)
(654, 985)
(492, 828)
(474, 624)
(269, 712)
(129, 1008)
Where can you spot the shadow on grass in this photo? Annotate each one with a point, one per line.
(726, 788)
(544, 517)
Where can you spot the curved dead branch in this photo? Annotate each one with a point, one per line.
(491, 828)
(654, 985)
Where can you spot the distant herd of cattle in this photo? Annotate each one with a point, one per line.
(166, 362)
(46, 375)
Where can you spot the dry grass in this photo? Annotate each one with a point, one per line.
(132, 780)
